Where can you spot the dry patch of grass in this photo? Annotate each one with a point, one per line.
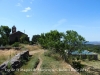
(92, 66)
(56, 67)
(28, 67)
(94, 63)
(31, 47)
(7, 54)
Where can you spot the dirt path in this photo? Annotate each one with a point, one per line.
(39, 65)
(36, 51)
(41, 51)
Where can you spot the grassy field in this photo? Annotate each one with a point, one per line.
(7, 54)
(94, 63)
(28, 67)
(55, 66)
(49, 66)
(30, 47)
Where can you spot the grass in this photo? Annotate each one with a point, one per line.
(31, 47)
(54, 66)
(28, 67)
(7, 54)
(51, 66)
(94, 63)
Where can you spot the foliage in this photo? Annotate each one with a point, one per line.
(28, 65)
(48, 53)
(92, 48)
(77, 65)
(9, 65)
(4, 35)
(16, 44)
(35, 39)
(51, 40)
(56, 56)
(73, 41)
(55, 67)
(24, 39)
(58, 42)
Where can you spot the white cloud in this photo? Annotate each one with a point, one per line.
(26, 9)
(18, 4)
(28, 16)
(60, 22)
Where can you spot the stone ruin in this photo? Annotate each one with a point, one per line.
(14, 63)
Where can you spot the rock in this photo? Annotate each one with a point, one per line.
(14, 62)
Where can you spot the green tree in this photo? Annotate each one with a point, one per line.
(73, 41)
(51, 40)
(4, 34)
(35, 39)
(24, 39)
(58, 42)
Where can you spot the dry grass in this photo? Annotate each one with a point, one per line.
(94, 63)
(31, 47)
(93, 67)
(7, 54)
(56, 67)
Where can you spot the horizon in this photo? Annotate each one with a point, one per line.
(41, 16)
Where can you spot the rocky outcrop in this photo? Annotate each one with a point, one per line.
(14, 63)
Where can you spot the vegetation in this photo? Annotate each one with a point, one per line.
(51, 66)
(4, 35)
(16, 44)
(73, 41)
(35, 39)
(29, 67)
(92, 48)
(59, 45)
(24, 39)
(7, 54)
(58, 42)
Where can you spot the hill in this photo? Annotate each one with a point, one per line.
(94, 42)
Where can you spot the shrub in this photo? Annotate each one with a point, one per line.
(26, 42)
(53, 55)
(48, 53)
(56, 56)
(77, 65)
(16, 44)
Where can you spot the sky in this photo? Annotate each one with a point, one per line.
(41, 16)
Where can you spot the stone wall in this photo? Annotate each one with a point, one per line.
(90, 57)
(14, 63)
(16, 48)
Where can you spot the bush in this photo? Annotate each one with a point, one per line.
(16, 44)
(53, 55)
(26, 42)
(48, 53)
(77, 65)
(57, 57)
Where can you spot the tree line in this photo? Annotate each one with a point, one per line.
(60, 41)
(4, 36)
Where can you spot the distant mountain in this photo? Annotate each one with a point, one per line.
(94, 42)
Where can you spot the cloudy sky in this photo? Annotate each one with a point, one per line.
(41, 16)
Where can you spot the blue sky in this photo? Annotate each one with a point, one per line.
(41, 16)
